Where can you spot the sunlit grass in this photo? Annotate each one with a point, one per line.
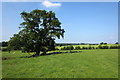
(99, 63)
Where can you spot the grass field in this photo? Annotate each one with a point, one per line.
(88, 45)
(97, 63)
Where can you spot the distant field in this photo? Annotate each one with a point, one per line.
(87, 45)
(59, 47)
(98, 63)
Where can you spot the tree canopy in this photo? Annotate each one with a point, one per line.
(38, 32)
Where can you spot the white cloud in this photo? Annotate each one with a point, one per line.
(49, 4)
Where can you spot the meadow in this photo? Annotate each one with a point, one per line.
(94, 63)
(87, 45)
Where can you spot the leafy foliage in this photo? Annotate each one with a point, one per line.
(39, 30)
(77, 48)
(3, 44)
(68, 48)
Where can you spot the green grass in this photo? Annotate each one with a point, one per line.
(99, 63)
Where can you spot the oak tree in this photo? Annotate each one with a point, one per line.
(38, 32)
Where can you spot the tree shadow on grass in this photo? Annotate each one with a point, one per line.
(7, 58)
(52, 53)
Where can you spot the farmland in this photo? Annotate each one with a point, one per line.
(54, 39)
(94, 63)
(87, 45)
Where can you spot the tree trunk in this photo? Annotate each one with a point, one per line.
(37, 53)
(44, 53)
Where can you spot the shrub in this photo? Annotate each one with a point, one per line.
(71, 47)
(84, 47)
(89, 47)
(97, 47)
(114, 47)
(116, 43)
(67, 48)
(93, 48)
(101, 43)
(77, 48)
(64, 48)
(4, 49)
(103, 47)
(56, 49)
(119, 47)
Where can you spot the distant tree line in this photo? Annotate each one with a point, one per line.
(4, 44)
(89, 47)
(69, 46)
(66, 44)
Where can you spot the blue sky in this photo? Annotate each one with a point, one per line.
(89, 22)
